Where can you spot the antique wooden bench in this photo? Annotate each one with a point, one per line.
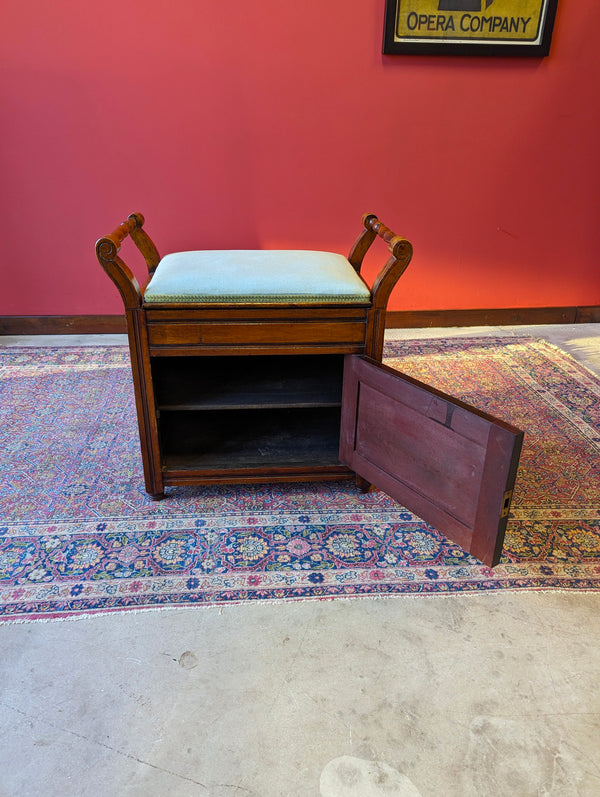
(237, 356)
(253, 366)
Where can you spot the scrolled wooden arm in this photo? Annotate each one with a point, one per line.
(401, 253)
(107, 249)
(400, 256)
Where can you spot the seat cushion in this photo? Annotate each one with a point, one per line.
(253, 276)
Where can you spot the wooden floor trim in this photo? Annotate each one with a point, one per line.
(406, 319)
(62, 324)
(528, 316)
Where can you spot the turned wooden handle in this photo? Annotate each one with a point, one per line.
(395, 242)
(107, 249)
(400, 247)
(123, 230)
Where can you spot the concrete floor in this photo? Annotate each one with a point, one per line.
(490, 694)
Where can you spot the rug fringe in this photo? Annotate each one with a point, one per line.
(287, 601)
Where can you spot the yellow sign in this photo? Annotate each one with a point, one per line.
(486, 22)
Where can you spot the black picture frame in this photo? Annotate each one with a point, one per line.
(468, 27)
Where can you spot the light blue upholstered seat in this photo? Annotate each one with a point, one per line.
(267, 276)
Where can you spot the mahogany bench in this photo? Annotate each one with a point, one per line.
(237, 356)
(253, 366)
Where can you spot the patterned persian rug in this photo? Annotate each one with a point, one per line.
(78, 534)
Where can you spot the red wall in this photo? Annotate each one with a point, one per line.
(277, 124)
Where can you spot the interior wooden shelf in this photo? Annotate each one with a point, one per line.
(273, 438)
(234, 383)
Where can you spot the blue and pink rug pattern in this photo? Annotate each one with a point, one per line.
(78, 535)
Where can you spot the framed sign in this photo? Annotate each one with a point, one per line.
(469, 27)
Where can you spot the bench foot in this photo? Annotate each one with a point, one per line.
(363, 485)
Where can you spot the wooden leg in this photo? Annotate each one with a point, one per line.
(157, 496)
(363, 485)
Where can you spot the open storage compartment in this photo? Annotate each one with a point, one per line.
(249, 439)
(226, 383)
(244, 414)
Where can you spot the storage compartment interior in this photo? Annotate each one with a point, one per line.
(247, 439)
(213, 383)
(236, 413)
